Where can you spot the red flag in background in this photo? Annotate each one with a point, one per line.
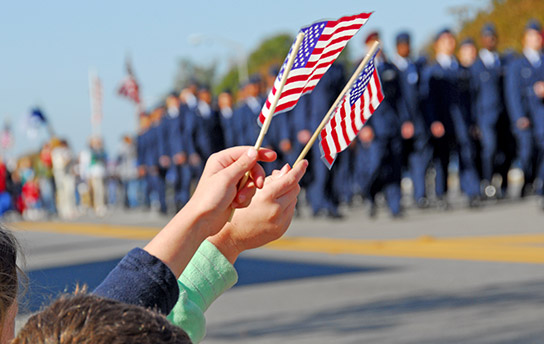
(129, 87)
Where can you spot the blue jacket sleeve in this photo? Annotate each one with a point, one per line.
(141, 279)
(513, 92)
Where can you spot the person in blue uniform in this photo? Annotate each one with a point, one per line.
(175, 141)
(155, 148)
(226, 118)
(278, 137)
(448, 121)
(188, 159)
(210, 136)
(306, 116)
(489, 108)
(141, 159)
(383, 148)
(524, 94)
(416, 150)
(249, 111)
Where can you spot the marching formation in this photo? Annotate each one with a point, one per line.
(474, 112)
(479, 111)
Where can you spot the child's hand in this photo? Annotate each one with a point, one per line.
(217, 192)
(266, 218)
(209, 208)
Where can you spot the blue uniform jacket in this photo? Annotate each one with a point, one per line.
(520, 97)
(440, 88)
(488, 91)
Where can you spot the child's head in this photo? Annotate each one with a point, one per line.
(86, 318)
(8, 284)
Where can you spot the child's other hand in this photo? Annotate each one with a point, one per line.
(266, 218)
(217, 192)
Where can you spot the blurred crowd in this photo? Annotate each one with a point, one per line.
(469, 110)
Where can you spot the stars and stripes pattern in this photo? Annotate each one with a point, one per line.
(350, 116)
(323, 42)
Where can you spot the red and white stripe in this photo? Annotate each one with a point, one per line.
(332, 41)
(347, 121)
(130, 89)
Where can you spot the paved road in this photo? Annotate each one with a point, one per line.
(458, 276)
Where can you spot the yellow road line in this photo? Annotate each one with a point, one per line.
(100, 230)
(521, 248)
(518, 248)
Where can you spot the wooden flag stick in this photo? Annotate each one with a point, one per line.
(326, 119)
(268, 120)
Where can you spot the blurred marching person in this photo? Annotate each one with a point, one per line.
(383, 148)
(306, 117)
(238, 114)
(188, 108)
(467, 53)
(158, 159)
(490, 113)
(144, 185)
(44, 174)
(173, 122)
(127, 171)
(448, 121)
(278, 137)
(62, 159)
(249, 111)
(415, 134)
(226, 119)
(524, 98)
(209, 136)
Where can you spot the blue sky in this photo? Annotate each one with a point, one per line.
(48, 47)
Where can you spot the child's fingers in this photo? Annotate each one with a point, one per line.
(241, 165)
(284, 184)
(244, 196)
(257, 175)
(267, 155)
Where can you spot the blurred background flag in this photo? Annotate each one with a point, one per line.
(350, 116)
(129, 87)
(323, 42)
(6, 137)
(35, 121)
(95, 94)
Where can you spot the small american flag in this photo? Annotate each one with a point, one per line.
(323, 42)
(350, 116)
(129, 87)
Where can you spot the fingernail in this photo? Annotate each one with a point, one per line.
(284, 170)
(252, 152)
(241, 198)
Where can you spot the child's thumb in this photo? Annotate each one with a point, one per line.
(243, 164)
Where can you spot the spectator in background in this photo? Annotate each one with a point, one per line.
(127, 171)
(63, 172)
(5, 198)
(44, 173)
(93, 170)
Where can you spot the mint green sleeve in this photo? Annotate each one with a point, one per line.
(208, 275)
